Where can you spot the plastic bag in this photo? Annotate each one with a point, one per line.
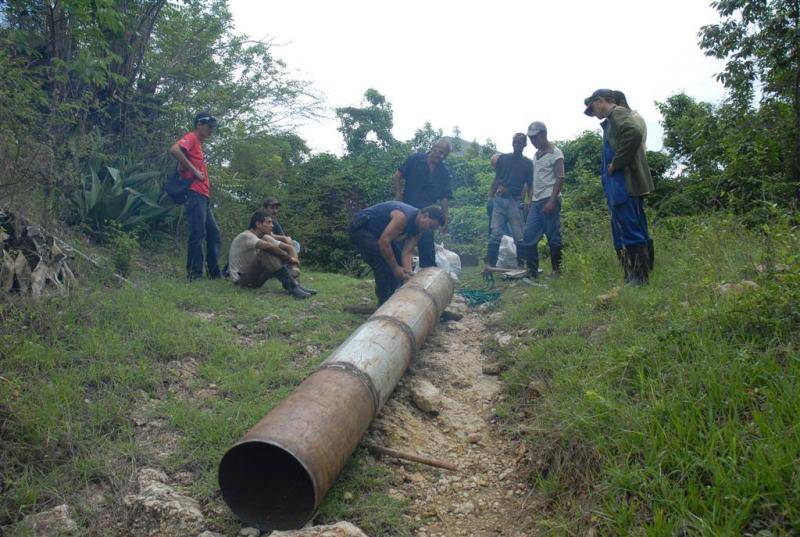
(508, 253)
(448, 260)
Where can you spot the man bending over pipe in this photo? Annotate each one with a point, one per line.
(386, 234)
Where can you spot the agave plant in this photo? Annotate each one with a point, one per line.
(129, 201)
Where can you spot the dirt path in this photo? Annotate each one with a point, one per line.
(487, 495)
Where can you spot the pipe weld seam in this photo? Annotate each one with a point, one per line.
(439, 307)
(360, 375)
(409, 333)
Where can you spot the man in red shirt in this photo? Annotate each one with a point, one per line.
(188, 151)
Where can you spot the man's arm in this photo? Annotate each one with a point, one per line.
(558, 171)
(398, 186)
(395, 228)
(630, 139)
(493, 188)
(408, 249)
(180, 156)
(274, 249)
(445, 209)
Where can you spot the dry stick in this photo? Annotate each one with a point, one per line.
(90, 260)
(414, 458)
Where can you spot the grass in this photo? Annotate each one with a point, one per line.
(669, 409)
(664, 410)
(208, 359)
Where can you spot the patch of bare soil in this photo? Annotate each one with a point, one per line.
(487, 496)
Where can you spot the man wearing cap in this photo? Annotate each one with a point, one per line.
(271, 206)
(385, 235)
(427, 182)
(188, 151)
(544, 217)
(626, 179)
(621, 100)
(512, 181)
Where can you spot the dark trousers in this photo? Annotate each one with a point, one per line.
(629, 220)
(202, 228)
(367, 246)
(427, 252)
(540, 225)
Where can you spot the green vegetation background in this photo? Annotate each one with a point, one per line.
(669, 410)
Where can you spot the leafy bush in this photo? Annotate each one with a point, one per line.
(129, 201)
(468, 224)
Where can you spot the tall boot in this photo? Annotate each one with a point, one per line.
(492, 253)
(651, 255)
(638, 265)
(290, 284)
(624, 256)
(555, 259)
(532, 257)
(521, 255)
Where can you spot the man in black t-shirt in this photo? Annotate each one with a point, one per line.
(427, 182)
(512, 182)
(271, 206)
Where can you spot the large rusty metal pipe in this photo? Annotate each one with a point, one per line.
(276, 476)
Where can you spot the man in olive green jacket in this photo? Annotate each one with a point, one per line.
(626, 180)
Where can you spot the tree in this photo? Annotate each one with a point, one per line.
(760, 43)
(374, 119)
(425, 137)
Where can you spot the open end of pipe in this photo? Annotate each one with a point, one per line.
(266, 486)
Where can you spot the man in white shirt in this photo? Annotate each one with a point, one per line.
(544, 217)
(255, 256)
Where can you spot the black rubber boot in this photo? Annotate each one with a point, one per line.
(289, 284)
(532, 256)
(492, 253)
(555, 260)
(624, 256)
(638, 265)
(651, 256)
(306, 289)
(520, 256)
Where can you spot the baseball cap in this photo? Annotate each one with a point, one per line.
(271, 201)
(205, 117)
(604, 93)
(536, 127)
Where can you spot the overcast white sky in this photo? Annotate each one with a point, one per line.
(491, 67)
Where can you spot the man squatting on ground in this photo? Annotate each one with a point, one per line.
(385, 235)
(271, 206)
(544, 217)
(512, 182)
(626, 180)
(255, 256)
(188, 151)
(427, 182)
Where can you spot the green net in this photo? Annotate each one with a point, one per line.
(476, 297)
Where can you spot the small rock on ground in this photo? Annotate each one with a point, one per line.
(426, 396)
(491, 369)
(340, 529)
(160, 510)
(249, 532)
(54, 522)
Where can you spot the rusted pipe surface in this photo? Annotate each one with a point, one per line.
(276, 476)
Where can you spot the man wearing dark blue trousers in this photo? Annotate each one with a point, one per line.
(544, 217)
(427, 182)
(626, 180)
(188, 151)
(386, 234)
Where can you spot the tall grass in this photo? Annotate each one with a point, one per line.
(671, 409)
